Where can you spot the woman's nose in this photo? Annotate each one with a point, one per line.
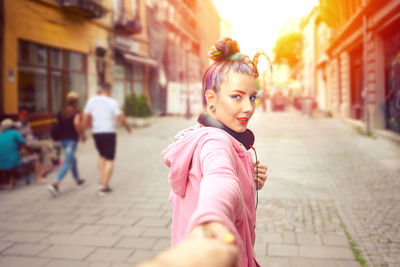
(248, 106)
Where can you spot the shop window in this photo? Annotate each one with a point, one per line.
(356, 83)
(391, 37)
(75, 61)
(56, 85)
(128, 79)
(56, 58)
(77, 83)
(33, 54)
(33, 89)
(138, 79)
(46, 74)
(118, 90)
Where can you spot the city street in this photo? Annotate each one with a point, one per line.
(327, 185)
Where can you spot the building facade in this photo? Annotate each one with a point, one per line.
(139, 46)
(132, 63)
(346, 60)
(180, 34)
(51, 49)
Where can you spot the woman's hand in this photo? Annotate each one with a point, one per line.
(261, 176)
(215, 230)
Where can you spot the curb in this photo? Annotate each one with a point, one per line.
(140, 122)
(381, 133)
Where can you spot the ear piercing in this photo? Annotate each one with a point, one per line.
(211, 107)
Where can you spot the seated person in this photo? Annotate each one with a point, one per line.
(24, 128)
(10, 142)
(40, 151)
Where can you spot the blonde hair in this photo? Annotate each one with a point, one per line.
(72, 95)
(72, 98)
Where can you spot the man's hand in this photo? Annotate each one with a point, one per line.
(196, 252)
(121, 118)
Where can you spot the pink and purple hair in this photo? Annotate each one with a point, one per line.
(227, 59)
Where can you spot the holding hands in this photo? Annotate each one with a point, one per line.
(205, 246)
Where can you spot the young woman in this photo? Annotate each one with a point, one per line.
(70, 129)
(212, 175)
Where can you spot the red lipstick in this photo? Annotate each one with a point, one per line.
(243, 120)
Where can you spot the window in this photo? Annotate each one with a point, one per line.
(118, 90)
(46, 74)
(128, 79)
(138, 83)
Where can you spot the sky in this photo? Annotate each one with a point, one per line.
(256, 23)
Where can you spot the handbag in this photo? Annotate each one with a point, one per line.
(55, 130)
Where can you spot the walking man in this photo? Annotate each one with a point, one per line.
(103, 111)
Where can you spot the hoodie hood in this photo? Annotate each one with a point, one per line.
(178, 155)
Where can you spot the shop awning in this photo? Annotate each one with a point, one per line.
(143, 60)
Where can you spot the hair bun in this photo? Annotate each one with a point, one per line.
(223, 49)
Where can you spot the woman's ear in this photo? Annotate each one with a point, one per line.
(211, 97)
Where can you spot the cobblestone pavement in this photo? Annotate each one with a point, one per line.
(325, 180)
(328, 182)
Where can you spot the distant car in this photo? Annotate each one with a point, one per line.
(278, 101)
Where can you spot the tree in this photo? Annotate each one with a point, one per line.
(288, 49)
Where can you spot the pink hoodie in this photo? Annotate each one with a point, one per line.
(211, 177)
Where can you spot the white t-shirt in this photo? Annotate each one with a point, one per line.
(104, 111)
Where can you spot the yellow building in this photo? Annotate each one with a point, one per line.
(50, 48)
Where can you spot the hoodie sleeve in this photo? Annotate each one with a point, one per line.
(220, 193)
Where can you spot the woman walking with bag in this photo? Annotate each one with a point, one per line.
(69, 132)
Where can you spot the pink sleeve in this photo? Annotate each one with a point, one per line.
(220, 194)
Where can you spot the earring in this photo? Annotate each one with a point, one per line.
(211, 107)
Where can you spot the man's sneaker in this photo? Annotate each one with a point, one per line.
(80, 181)
(53, 190)
(104, 192)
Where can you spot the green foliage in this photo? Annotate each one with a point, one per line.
(136, 106)
(354, 248)
(288, 49)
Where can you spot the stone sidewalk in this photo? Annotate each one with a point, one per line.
(319, 193)
(328, 185)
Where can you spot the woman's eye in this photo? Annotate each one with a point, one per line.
(236, 96)
(253, 98)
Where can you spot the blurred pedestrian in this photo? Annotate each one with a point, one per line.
(31, 153)
(23, 127)
(212, 176)
(10, 143)
(264, 98)
(196, 252)
(103, 111)
(70, 131)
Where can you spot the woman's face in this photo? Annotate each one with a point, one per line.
(235, 101)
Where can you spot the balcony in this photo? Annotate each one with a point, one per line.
(128, 26)
(89, 8)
